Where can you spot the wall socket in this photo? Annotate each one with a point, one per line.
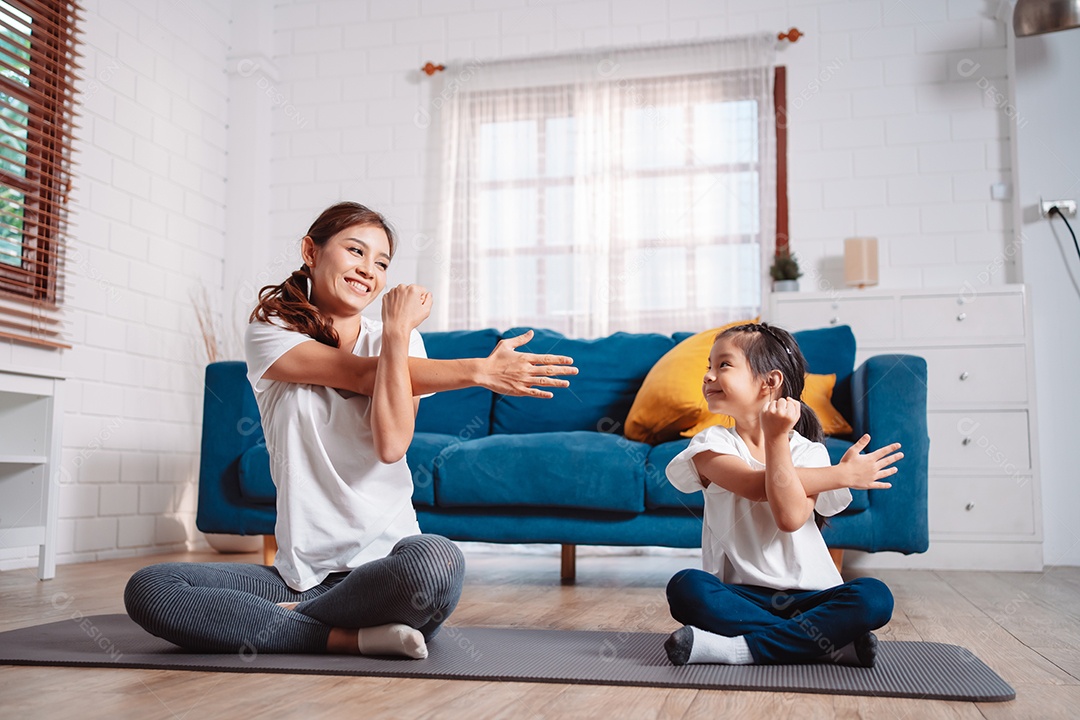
(1067, 207)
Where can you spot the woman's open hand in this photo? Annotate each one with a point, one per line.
(406, 306)
(865, 472)
(509, 372)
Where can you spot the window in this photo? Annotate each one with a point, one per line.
(642, 204)
(37, 60)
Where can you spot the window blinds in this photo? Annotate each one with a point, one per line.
(38, 59)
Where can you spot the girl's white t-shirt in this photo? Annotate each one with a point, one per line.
(740, 541)
(338, 505)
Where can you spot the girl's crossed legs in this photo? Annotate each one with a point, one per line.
(781, 626)
(228, 607)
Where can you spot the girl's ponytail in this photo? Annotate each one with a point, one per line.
(809, 426)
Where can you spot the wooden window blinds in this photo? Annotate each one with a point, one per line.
(38, 59)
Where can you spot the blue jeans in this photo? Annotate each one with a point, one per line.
(780, 626)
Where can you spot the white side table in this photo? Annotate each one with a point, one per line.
(31, 415)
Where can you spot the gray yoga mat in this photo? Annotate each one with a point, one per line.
(904, 669)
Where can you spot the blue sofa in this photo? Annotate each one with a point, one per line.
(505, 469)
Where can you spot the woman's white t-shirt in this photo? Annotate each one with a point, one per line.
(740, 541)
(338, 506)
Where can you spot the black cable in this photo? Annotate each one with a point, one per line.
(1057, 211)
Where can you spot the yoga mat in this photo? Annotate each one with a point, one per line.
(904, 669)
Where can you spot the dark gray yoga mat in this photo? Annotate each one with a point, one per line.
(904, 669)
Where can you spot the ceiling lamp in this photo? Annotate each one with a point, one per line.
(1035, 17)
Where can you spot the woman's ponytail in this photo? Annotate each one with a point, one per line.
(289, 304)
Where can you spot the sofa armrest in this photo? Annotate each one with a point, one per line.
(231, 425)
(888, 395)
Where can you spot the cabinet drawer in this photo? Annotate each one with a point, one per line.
(958, 317)
(975, 374)
(869, 318)
(986, 442)
(981, 505)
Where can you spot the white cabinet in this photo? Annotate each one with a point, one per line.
(30, 417)
(985, 509)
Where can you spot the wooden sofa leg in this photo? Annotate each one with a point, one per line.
(269, 549)
(569, 564)
(837, 558)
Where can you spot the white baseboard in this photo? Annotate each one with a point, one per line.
(942, 555)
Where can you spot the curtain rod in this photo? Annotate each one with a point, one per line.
(791, 35)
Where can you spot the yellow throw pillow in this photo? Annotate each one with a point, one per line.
(670, 400)
(817, 393)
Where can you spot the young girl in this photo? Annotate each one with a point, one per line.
(338, 394)
(769, 592)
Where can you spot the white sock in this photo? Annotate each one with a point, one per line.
(392, 639)
(691, 645)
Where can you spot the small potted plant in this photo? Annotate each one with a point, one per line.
(785, 271)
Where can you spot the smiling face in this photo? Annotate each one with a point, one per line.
(349, 270)
(729, 385)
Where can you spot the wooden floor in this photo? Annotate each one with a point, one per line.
(1026, 626)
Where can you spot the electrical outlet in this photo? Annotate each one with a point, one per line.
(1067, 207)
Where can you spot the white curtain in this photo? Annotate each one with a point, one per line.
(630, 189)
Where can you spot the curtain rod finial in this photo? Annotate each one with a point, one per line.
(792, 35)
(430, 69)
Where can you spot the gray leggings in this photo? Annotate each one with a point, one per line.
(232, 607)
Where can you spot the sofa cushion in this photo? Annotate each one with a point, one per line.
(256, 486)
(659, 493)
(426, 455)
(465, 412)
(586, 470)
(831, 351)
(610, 371)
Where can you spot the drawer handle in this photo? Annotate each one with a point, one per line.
(833, 320)
(966, 441)
(969, 507)
(965, 375)
(961, 317)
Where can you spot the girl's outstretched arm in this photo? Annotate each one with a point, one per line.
(504, 371)
(855, 471)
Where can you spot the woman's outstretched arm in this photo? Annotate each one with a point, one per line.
(504, 371)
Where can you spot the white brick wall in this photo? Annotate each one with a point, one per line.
(147, 228)
(887, 137)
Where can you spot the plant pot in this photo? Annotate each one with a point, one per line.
(785, 286)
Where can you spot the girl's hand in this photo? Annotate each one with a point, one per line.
(509, 372)
(864, 472)
(778, 417)
(406, 306)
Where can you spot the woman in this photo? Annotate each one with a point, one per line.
(338, 394)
